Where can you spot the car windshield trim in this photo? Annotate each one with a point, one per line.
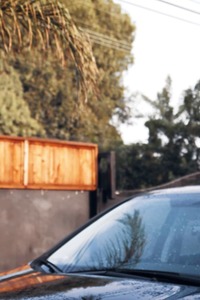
(52, 268)
(150, 274)
(162, 275)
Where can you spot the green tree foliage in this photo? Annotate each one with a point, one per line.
(52, 92)
(15, 116)
(177, 133)
(104, 18)
(191, 130)
(137, 167)
(146, 165)
(165, 134)
(172, 150)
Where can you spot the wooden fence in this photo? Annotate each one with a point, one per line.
(47, 164)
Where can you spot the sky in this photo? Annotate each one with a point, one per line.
(163, 46)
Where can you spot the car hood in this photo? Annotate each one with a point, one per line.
(25, 283)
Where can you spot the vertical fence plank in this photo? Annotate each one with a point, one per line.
(11, 162)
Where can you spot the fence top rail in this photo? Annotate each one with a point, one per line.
(48, 141)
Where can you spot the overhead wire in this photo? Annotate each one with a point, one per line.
(121, 45)
(150, 9)
(178, 6)
(109, 32)
(159, 12)
(101, 38)
(107, 41)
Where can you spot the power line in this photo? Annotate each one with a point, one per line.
(121, 45)
(97, 35)
(113, 43)
(178, 6)
(152, 10)
(115, 15)
(159, 12)
(109, 32)
(104, 40)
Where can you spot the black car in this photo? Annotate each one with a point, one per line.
(147, 247)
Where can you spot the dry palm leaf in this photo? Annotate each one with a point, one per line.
(47, 23)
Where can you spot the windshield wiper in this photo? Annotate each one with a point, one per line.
(44, 262)
(150, 274)
(159, 275)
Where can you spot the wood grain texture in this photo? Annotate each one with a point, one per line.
(11, 162)
(47, 164)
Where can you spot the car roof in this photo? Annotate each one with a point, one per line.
(177, 190)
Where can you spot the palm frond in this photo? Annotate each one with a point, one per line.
(29, 23)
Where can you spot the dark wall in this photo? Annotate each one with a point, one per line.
(32, 221)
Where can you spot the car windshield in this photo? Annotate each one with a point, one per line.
(151, 232)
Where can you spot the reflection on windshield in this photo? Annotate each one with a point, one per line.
(124, 246)
(147, 233)
(121, 236)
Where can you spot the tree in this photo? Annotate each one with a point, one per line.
(52, 92)
(137, 167)
(165, 133)
(122, 247)
(25, 24)
(173, 136)
(172, 150)
(191, 134)
(15, 116)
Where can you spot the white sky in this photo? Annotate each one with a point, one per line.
(163, 46)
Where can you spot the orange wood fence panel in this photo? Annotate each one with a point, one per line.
(11, 162)
(47, 164)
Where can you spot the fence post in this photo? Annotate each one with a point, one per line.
(107, 175)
